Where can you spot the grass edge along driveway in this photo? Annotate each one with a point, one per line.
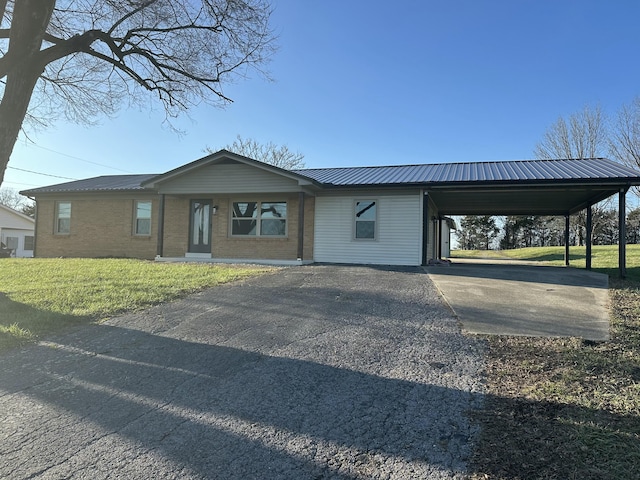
(41, 296)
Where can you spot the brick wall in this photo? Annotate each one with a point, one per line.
(176, 229)
(101, 226)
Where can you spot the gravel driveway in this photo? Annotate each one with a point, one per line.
(308, 373)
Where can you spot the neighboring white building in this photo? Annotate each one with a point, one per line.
(17, 232)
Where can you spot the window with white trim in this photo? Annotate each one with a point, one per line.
(63, 218)
(259, 219)
(365, 219)
(142, 220)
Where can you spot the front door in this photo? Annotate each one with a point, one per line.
(200, 227)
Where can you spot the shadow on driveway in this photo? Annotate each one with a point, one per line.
(313, 372)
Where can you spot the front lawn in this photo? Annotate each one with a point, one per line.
(40, 296)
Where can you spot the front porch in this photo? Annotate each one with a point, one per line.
(208, 258)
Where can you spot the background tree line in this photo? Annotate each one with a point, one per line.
(484, 232)
(589, 133)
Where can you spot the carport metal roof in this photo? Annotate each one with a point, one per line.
(523, 187)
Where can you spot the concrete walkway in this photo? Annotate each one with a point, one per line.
(518, 298)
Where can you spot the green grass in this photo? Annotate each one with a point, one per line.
(40, 296)
(604, 258)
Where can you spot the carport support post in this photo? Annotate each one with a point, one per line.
(439, 229)
(566, 240)
(588, 239)
(622, 233)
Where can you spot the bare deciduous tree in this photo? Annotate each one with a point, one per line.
(584, 135)
(624, 141)
(81, 58)
(12, 199)
(277, 155)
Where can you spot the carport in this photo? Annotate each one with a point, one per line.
(533, 187)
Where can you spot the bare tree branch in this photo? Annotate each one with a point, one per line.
(88, 56)
(624, 143)
(277, 155)
(584, 136)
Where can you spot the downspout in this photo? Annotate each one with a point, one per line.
(425, 226)
(300, 226)
(160, 243)
(35, 226)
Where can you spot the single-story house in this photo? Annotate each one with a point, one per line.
(229, 208)
(17, 232)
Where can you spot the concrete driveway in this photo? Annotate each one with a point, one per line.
(309, 373)
(520, 298)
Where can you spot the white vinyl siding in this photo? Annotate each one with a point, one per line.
(398, 231)
(20, 241)
(229, 178)
(16, 225)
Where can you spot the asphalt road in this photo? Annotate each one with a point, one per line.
(309, 373)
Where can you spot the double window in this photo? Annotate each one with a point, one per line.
(365, 219)
(142, 220)
(259, 219)
(63, 218)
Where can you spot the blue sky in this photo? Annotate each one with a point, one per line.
(364, 82)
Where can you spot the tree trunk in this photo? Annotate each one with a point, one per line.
(28, 26)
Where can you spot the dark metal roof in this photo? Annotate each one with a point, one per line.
(529, 171)
(544, 187)
(107, 183)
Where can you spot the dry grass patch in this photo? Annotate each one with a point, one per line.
(565, 408)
